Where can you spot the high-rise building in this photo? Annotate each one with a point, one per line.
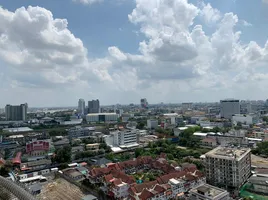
(144, 103)
(228, 167)
(94, 106)
(229, 107)
(81, 106)
(16, 113)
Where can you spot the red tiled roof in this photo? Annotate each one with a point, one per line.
(165, 178)
(99, 171)
(159, 189)
(137, 188)
(108, 178)
(146, 195)
(117, 181)
(189, 177)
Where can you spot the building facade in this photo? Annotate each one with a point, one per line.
(152, 123)
(80, 132)
(94, 106)
(245, 119)
(16, 113)
(81, 106)
(37, 147)
(229, 107)
(102, 117)
(122, 138)
(228, 167)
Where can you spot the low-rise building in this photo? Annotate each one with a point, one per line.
(93, 147)
(208, 192)
(123, 139)
(73, 174)
(245, 119)
(258, 184)
(152, 123)
(80, 132)
(38, 147)
(102, 117)
(209, 143)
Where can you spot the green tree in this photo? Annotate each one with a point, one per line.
(63, 155)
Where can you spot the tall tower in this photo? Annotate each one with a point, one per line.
(144, 103)
(17, 112)
(81, 106)
(94, 106)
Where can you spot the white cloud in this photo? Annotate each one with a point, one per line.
(245, 23)
(88, 2)
(177, 60)
(265, 1)
(209, 14)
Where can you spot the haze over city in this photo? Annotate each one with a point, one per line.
(54, 52)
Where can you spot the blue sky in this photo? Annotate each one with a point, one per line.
(122, 50)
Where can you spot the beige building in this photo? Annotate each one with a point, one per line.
(228, 167)
(208, 192)
(93, 147)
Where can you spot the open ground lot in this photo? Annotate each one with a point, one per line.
(259, 161)
(60, 189)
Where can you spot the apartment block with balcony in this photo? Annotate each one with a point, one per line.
(228, 167)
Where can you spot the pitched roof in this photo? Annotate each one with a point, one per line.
(159, 189)
(146, 195)
(108, 178)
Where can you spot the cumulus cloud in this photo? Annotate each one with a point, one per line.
(177, 55)
(209, 14)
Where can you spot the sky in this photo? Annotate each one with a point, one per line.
(53, 53)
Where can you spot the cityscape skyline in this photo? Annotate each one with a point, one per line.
(211, 51)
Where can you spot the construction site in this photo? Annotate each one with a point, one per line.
(60, 189)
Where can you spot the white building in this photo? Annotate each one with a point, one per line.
(208, 192)
(102, 117)
(228, 167)
(229, 107)
(244, 119)
(123, 139)
(81, 106)
(152, 123)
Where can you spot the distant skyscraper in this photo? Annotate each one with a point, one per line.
(16, 113)
(94, 106)
(229, 107)
(144, 103)
(81, 106)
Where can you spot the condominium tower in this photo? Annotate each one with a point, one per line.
(94, 106)
(17, 112)
(81, 106)
(228, 167)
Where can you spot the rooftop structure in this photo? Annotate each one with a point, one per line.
(208, 192)
(228, 153)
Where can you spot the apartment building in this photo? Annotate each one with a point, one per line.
(208, 192)
(123, 139)
(16, 112)
(228, 167)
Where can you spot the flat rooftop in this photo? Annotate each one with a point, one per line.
(17, 130)
(228, 153)
(209, 189)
